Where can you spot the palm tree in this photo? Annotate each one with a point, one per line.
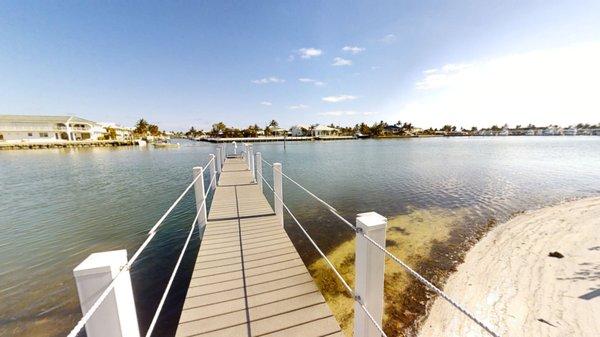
(141, 127)
(153, 129)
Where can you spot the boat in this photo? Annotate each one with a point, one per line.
(166, 145)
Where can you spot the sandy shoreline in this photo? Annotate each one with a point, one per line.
(509, 280)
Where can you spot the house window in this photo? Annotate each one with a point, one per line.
(29, 134)
(43, 134)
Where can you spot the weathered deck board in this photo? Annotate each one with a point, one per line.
(248, 279)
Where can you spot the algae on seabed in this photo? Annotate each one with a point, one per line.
(411, 237)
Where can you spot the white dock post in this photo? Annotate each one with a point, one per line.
(252, 163)
(116, 316)
(199, 193)
(219, 159)
(249, 156)
(212, 170)
(369, 269)
(258, 173)
(278, 189)
(224, 154)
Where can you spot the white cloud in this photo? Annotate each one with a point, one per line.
(353, 49)
(307, 53)
(388, 38)
(266, 80)
(338, 113)
(266, 103)
(338, 61)
(437, 78)
(310, 80)
(339, 98)
(298, 106)
(540, 87)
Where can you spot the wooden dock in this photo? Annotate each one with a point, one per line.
(248, 279)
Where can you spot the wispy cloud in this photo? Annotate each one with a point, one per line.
(307, 53)
(297, 106)
(353, 49)
(267, 80)
(338, 61)
(267, 103)
(438, 78)
(346, 113)
(311, 80)
(388, 38)
(339, 98)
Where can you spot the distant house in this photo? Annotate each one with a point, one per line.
(277, 131)
(300, 130)
(323, 131)
(121, 132)
(392, 129)
(572, 131)
(21, 128)
(552, 131)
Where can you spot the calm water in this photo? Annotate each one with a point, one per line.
(58, 206)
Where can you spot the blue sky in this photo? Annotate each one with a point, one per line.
(195, 63)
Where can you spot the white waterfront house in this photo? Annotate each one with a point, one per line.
(572, 131)
(23, 128)
(121, 132)
(323, 130)
(300, 130)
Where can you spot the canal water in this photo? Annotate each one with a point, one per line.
(60, 205)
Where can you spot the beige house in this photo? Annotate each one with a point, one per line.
(323, 131)
(300, 130)
(23, 128)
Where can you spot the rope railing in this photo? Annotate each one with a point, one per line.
(358, 231)
(333, 268)
(86, 317)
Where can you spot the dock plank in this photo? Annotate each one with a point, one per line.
(248, 279)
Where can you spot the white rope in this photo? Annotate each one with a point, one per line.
(329, 207)
(431, 286)
(395, 259)
(210, 186)
(340, 277)
(170, 283)
(81, 323)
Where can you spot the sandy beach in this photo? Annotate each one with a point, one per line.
(509, 280)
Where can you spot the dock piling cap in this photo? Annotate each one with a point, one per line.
(371, 221)
(102, 262)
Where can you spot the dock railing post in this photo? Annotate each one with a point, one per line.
(258, 173)
(369, 269)
(253, 163)
(212, 171)
(224, 154)
(249, 157)
(219, 159)
(116, 316)
(199, 193)
(278, 189)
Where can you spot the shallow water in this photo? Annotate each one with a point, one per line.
(58, 206)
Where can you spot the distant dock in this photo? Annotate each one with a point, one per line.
(272, 139)
(66, 144)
